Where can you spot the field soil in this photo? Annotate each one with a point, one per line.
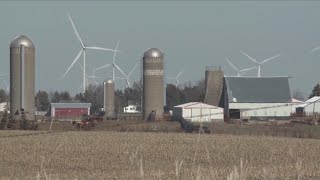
(144, 155)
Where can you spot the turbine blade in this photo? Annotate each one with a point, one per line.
(252, 59)
(124, 74)
(128, 83)
(75, 30)
(74, 61)
(315, 49)
(135, 66)
(94, 77)
(180, 73)
(102, 67)
(115, 52)
(278, 55)
(233, 66)
(100, 48)
(248, 69)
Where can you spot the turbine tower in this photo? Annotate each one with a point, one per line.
(259, 63)
(82, 52)
(240, 72)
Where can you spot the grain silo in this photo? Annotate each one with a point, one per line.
(109, 99)
(214, 80)
(153, 83)
(22, 77)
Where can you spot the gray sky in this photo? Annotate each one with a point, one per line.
(191, 34)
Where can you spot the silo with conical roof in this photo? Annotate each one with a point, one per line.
(22, 77)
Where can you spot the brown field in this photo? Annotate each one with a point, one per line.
(138, 155)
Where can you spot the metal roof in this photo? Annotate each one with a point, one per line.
(21, 40)
(70, 105)
(315, 99)
(258, 89)
(196, 105)
(153, 53)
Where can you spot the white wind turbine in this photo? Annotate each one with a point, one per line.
(240, 72)
(115, 66)
(93, 76)
(130, 73)
(259, 63)
(82, 51)
(127, 78)
(176, 79)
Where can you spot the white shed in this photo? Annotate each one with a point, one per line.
(197, 112)
(309, 107)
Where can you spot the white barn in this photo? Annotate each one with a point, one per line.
(259, 98)
(197, 112)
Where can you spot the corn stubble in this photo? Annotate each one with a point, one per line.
(113, 155)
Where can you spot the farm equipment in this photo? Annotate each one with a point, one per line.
(87, 122)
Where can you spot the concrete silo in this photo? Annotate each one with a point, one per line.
(214, 85)
(109, 99)
(22, 77)
(153, 83)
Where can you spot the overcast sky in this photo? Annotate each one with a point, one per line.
(191, 34)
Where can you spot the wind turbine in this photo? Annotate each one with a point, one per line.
(115, 66)
(82, 51)
(259, 63)
(130, 73)
(176, 78)
(127, 78)
(240, 72)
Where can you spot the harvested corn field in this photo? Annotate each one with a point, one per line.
(115, 155)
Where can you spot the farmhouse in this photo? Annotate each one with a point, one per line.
(197, 112)
(69, 111)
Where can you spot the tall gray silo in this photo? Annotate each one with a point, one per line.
(22, 77)
(214, 82)
(153, 83)
(109, 99)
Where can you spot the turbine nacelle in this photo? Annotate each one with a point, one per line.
(261, 62)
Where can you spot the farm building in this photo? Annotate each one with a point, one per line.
(3, 106)
(197, 112)
(69, 111)
(259, 98)
(308, 108)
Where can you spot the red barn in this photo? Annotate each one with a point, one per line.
(69, 110)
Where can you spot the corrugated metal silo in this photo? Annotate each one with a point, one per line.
(109, 98)
(22, 76)
(153, 83)
(214, 85)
